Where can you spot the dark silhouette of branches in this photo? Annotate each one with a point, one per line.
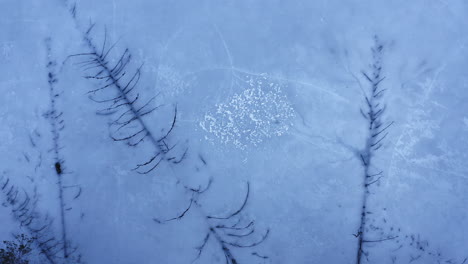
(23, 208)
(222, 231)
(57, 125)
(55, 248)
(118, 89)
(378, 130)
(179, 216)
(233, 235)
(415, 246)
(16, 251)
(238, 210)
(373, 112)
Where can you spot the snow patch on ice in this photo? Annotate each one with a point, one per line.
(261, 111)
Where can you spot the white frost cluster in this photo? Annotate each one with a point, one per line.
(261, 111)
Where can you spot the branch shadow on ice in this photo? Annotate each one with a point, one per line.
(227, 231)
(57, 124)
(23, 207)
(118, 89)
(373, 231)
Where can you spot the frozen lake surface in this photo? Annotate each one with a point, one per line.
(238, 132)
